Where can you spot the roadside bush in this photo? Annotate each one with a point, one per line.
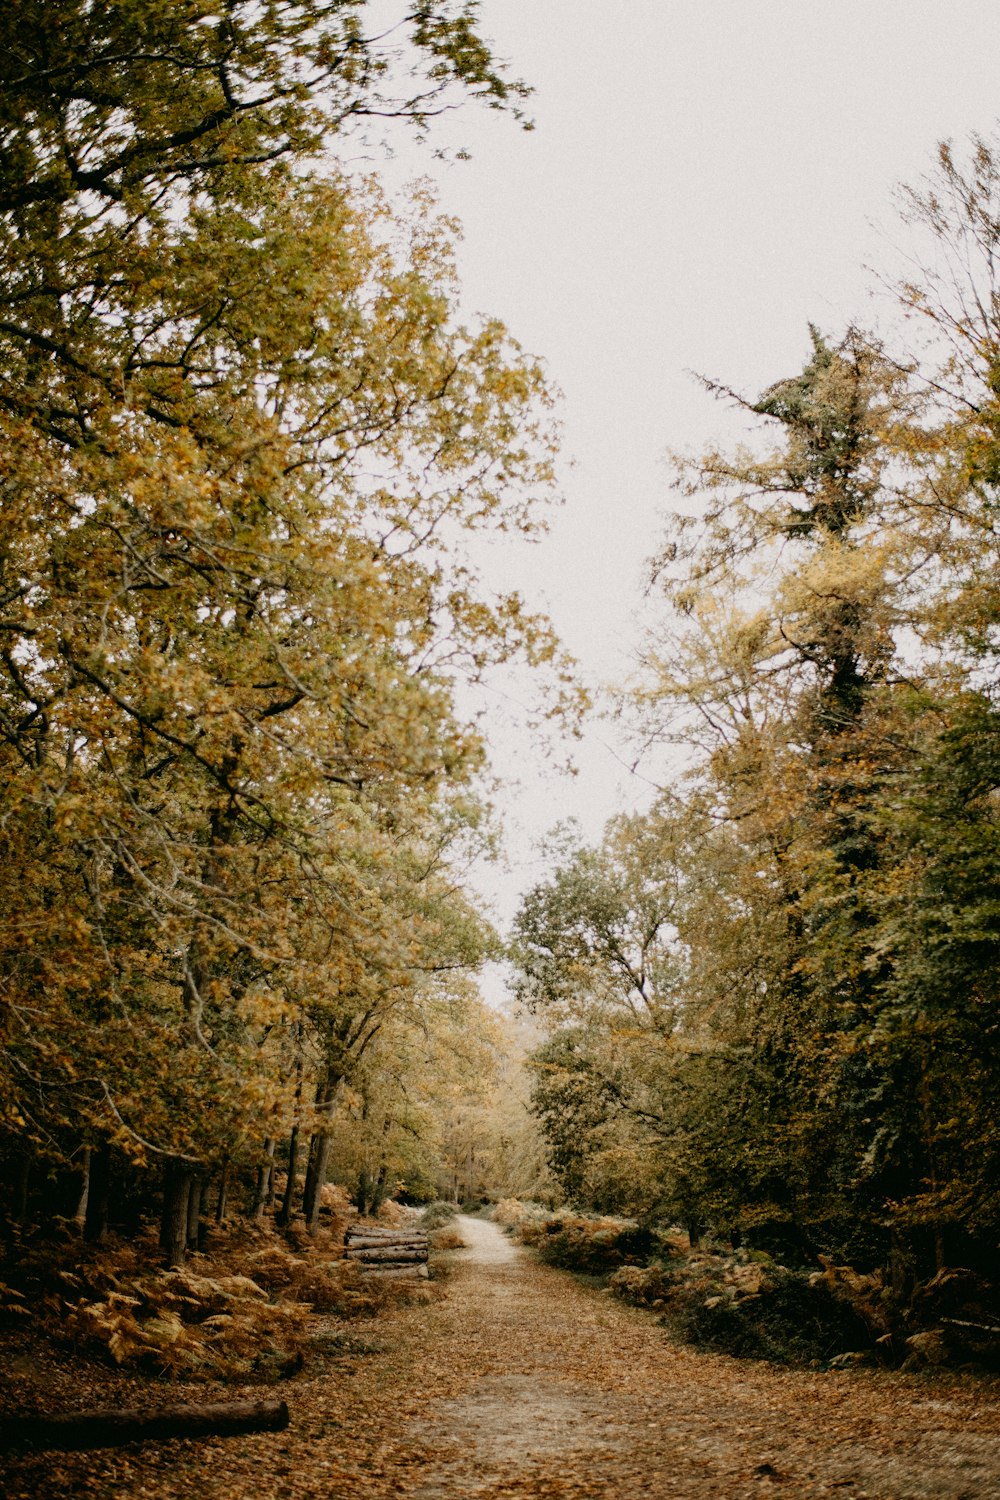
(511, 1213)
(447, 1239)
(790, 1320)
(646, 1286)
(247, 1312)
(437, 1215)
(591, 1246)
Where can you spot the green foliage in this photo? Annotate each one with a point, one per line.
(771, 1000)
(790, 1321)
(438, 1215)
(591, 1246)
(245, 436)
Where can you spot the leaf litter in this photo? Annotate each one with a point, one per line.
(512, 1379)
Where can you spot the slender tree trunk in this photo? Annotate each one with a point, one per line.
(284, 1214)
(80, 1216)
(177, 1183)
(361, 1196)
(324, 1143)
(309, 1186)
(222, 1201)
(95, 1224)
(927, 1116)
(265, 1178)
(194, 1211)
(319, 1150)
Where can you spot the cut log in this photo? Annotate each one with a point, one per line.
(396, 1234)
(398, 1253)
(365, 1247)
(107, 1428)
(396, 1271)
(384, 1237)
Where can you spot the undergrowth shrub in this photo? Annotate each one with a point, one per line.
(436, 1215)
(509, 1213)
(646, 1286)
(745, 1305)
(593, 1246)
(245, 1312)
(447, 1239)
(790, 1320)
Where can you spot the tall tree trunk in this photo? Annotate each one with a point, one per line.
(80, 1215)
(265, 1178)
(222, 1200)
(194, 1212)
(927, 1118)
(324, 1143)
(177, 1181)
(284, 1214)
(319, 1149)
(95, 1224)
(309, 1186)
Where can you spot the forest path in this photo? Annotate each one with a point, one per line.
(523, 1382)
(565, 1392)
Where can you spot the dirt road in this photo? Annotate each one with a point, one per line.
(523, 1383)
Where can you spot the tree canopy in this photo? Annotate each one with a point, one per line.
(772, 997)
(244, 434)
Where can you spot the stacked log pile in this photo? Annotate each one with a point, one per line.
(388, 1252)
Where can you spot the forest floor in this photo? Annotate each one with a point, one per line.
(521, 1381)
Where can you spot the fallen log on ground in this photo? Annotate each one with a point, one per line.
(388, 1252)
(395, 1238)
(107, 1428)
(401, 1271)
(416, 1243)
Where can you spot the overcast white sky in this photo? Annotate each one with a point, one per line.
(705, 178)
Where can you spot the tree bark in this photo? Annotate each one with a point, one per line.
(319, 1149)
(80, 1216)
(284, 1214)
(398, 1254)
(313, 1199)
(222, 1200)
(95, 1224)
(177, 1181)
(194, 1211)
(265, 1177)
(109, 1428)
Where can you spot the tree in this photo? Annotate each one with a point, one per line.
(827, 665)
(245, 435)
